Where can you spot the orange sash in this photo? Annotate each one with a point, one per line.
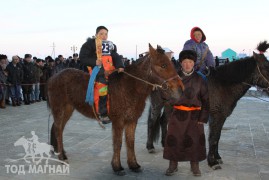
(185, 108)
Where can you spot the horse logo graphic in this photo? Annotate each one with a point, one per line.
(33, 148)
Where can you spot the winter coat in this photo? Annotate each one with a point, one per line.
(61, 66)
(3, 77)
(15, 73)
(185, 140)
(74, 64)
(37, 73)
(28, 72)
(88, 57)
(200, 48)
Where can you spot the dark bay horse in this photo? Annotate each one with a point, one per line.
(226, 85)
(127, 96)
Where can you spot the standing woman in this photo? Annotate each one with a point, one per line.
(185, 140)
(197, 43)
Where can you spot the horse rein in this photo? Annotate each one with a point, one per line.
(267, 89)
(154, 86)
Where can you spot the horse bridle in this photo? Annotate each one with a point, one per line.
(261, 75)
(162, 86)
(154, 86)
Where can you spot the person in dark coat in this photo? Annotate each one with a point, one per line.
(3, 80)
(14, 79)
(88, 58)
(61, 64)
(185, 140)
(75, 62)
(28, 78)
(37, 73)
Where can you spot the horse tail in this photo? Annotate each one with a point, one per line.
(48, 102)
(155, 125)
(263, 46)
(156, 130)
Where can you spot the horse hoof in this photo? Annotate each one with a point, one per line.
(137, 170)
(151, 150)
(216, 167)
(120, 173)
(220, 161)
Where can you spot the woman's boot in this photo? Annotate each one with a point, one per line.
(172, 168)
(195, 169)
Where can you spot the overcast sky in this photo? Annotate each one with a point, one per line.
(31, 26)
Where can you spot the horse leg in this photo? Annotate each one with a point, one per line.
(117, 130)
(60, 120)
(53, 140)
(217, 156)
(214, 136)
(151, 121)
(153, 125)
(40, 159)
(26, 155)
(130, 139)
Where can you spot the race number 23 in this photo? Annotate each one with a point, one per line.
(105, 48)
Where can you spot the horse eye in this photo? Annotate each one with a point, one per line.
(164, 66)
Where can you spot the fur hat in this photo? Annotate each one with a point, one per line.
(27, 56)
(187, 54)
(99, 28)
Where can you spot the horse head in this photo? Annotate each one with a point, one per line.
(20, 142)
(261, 77)
(164, 73)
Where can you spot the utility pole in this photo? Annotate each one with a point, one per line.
(135, 52)
(53, 50)
(74, 48)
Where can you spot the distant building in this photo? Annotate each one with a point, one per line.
(229, 53)
(242, 55)
(168, 52)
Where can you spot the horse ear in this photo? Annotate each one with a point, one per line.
(152, 51)
(255, 55)
(258, 57)
(160, 49)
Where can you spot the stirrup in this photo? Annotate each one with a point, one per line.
(105, 119)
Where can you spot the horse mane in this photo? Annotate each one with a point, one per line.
(263, 46)
(115, 76)
(236, 71)
(135, 65)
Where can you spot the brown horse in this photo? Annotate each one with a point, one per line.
(127, 96)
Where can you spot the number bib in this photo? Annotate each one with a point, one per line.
(107, 47)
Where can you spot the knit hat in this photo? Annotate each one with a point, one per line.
(187, 54)
(197, 29)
